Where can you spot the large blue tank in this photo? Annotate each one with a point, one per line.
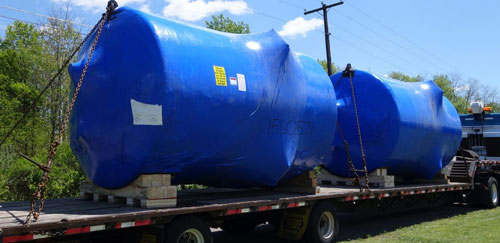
(409, 128)
(213, 108)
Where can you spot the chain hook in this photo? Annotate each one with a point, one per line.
(112, 5)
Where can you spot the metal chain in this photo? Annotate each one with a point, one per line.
(348, 156)
(40, 193)
(349, 160)
(363, 158)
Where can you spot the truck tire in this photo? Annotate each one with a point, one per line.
(323, 225)
(492, 195)
(188, 229)
(237, 227)
(487, 197)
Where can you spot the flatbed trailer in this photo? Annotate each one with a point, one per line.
(297, 215)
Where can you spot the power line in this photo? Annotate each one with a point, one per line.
(379, 47)
(45, 16)
(401, 36)
(292, 4)
(392, 41)
(29, 22)
(361, 38)
(373, 55)
(352, 45)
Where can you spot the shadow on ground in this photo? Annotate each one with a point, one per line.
(358, 225)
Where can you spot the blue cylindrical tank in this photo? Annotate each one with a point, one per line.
(213, 108)
(408, 127)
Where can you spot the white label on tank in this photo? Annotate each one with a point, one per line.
(242, 86)
(146, 114)
(232, 81)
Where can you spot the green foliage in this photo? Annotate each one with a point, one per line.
(66, 174)
(21, 64)
(19, 177)
(495, 106)
(225, 24)
(28, 59)
(403, 77)
(191, 187)
(323, 64)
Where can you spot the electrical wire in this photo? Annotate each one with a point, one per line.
(391, 41)
(29, 22)
(363, 39)
(45, 16)
(401, 36)
(375, 56)
(292, 4)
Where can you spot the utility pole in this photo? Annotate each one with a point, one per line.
(325, 8)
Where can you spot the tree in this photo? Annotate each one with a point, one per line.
(323, 63)
(225, 24)
(59, 39)
(22, 65)
(488, 95)
(29, 57)
(406, 78)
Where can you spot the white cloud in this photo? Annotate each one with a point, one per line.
(97, 5)
(194, 10)
(145, 8)
(300, 26)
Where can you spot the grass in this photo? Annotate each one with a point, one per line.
(476, 226)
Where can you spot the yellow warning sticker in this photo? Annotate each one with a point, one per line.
(220, 76)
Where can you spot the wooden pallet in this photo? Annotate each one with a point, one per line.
(303, 183)
(376, 179)
(148, 191)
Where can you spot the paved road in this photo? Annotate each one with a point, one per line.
(357, 225)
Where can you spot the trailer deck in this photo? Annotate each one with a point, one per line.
(72, 216)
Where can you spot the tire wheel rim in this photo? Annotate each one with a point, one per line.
(326, 225)
(494, 194)
(191, 236)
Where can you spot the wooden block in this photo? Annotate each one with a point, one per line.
(377, 178)
(158, 203)
(156, 180)
(171, 191)
(160, 192)
(99, 197)
(153, 180)
(308, 174)
(133, 201)
(379, 172)
(166, 179)
(114, 199)
(86, 195)
(145, 187)
(143, 181)
(87, 187)
(153, 193)
(128, 191)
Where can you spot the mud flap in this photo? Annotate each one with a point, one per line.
(153, 234)
(294, 223)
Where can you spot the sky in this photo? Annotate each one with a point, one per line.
(425, 37)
